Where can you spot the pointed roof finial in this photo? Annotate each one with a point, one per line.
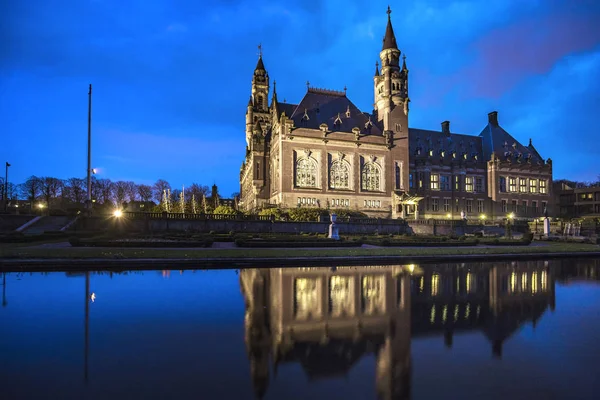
(345, 89)
(389, 40)
(274, 86)
(404, 61)
(376, 68)
(530, 143)
(260, 49)
(307, 85)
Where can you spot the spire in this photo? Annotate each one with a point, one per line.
(376, 68)
(259, 64)
(250, 104)
(274, 99)
(389, 41)
(404, 62)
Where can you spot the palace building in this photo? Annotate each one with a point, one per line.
(325, 152)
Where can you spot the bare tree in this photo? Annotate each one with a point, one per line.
(131, 191)
(105, 190)
(159, 187)
(145, 193)
(31, 189)
(197, 190)
(75, 190)
(51, 189)
(120, 192)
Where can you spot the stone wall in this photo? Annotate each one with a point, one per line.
(369, 227)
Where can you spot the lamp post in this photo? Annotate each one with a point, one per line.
(6, 187)
(89, 154)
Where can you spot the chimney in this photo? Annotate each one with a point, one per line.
(446, 127)
(493, 118)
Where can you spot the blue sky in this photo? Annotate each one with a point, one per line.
(172, 77)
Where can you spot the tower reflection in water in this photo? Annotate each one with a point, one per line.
(326, 319)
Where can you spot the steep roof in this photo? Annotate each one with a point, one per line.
(502, 144)
(320, 106)
(439, 141)
(389, 40)
(260, 65)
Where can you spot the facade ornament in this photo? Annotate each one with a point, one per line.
(340, 155)
(307, 153)
(356, 131)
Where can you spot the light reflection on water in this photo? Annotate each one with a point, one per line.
(485, 330)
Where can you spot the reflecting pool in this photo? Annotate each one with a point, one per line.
(516, 330)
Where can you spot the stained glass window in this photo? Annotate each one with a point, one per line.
(371, 177)
(339, 175)
(306, 172)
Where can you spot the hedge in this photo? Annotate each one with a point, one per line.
(417, 243)
(77, 242)
(296, 244)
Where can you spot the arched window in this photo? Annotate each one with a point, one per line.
(371, 177)
(306, 172)
(339, 175)
(259, 101)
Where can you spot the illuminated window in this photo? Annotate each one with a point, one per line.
(523, 185)
(432, 315)
(371, 177)
(445, 313)
(339, 175)
(512, 184)
(420, 179)
(533, 185)
(468, 183)
(373, 300)
(435, 182)
(542, 186)
(457, 183)
(306, 298)
(341, 301)
(435, 284)
(306, 172)
(524, 282)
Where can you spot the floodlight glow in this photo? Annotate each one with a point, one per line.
(118, 213)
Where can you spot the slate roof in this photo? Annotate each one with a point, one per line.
(324, 106)
(389, 40)
(286, 108)
(500, 143)
(260, 65)
(439, 141)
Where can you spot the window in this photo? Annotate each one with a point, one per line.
(503, 184)
(513, 206)
(398, 170)
(445, 182)
(523, 185)
(370, 177)
(468, 183)
(306, 172)
(512, 184)
(435, 205)
(542, 186)
(469, 206)
(456, 204)
(446, 205)
(373, 296)
(534, 206)
(504, 206)
(479, 185)
(544, 205)
(410, 181)
(435, 182)
(339, 175)
(533, 185)
(420, 179)
(457, 183)
(480, 208)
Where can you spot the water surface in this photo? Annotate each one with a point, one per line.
(520, 330)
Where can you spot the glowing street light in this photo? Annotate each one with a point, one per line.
(448, 215)
(118, 213)
(483, 217)
(511, 215)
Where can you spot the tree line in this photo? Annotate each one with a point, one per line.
(71, 193)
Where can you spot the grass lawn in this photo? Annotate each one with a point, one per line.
(128, 253)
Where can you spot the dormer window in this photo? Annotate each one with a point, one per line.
(430, 153)
(338, 122)
(348, 112)
(442, 153)
(453, 154)
(465, 156)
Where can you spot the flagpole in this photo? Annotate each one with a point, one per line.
(6, 187)
(89, 153)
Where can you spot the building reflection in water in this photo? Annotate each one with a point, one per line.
(326, 319)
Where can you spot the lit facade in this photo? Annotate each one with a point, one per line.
(325, 152)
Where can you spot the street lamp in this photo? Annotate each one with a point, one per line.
(6, 187)
(118, 213)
